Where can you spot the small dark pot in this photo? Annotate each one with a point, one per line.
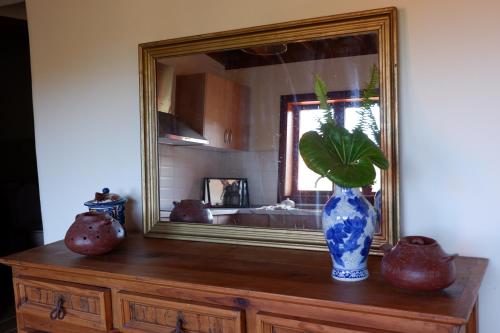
(191, 211)
(418, 263)
(94, 233)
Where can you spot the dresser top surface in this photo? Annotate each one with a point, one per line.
(261, 271)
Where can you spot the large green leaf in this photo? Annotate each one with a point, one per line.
(335, 138)
(356, 174)
(316, 154)
(350, 147)
(366, 148)
(345, 158)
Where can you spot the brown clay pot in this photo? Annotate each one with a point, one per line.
(191, 211)
(94, 233)
(418, 263)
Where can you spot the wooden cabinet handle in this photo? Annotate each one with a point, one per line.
(178, 324)
(58, 312)
(225, 136)
(230, 136)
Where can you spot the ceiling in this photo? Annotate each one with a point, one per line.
(13, 8)
(345, 46)
(9, 2)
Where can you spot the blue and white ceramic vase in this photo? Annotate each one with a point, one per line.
(349, 223)
(377, 204)
(109, 203)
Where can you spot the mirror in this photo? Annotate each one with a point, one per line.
(226, 193)
(222, 115)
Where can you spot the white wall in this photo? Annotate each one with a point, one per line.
(86, 102)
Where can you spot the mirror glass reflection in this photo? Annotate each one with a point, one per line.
(226, 193)
(240, 113)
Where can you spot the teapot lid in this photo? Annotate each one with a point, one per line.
(417, 241)
(105, 198)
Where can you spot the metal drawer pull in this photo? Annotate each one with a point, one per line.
(178, 324)
(58, 312)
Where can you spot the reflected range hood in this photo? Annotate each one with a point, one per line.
(172, 131)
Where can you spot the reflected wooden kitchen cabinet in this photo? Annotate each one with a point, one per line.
(214, 107)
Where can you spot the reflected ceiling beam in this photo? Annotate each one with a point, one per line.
(347, 46)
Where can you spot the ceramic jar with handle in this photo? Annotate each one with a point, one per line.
(418, 263)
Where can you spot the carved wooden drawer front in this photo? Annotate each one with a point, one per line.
(273, 323)
(156, 314)
(55, 306)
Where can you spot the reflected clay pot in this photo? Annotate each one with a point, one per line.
(94, 233)
(191, 211)
(418, 263)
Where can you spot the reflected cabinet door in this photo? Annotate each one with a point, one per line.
(215, 129)
(213, 106)
(237, 116)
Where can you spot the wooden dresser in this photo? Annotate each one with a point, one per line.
(156, 285)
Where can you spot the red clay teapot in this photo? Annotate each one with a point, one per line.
(418, 263)
(94, 233)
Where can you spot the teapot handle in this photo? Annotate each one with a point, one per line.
(449, 258)
(386, 248)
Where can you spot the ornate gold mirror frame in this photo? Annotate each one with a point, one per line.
(382, 21)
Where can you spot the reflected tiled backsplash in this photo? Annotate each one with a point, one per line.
(261, 170)
(182, 170)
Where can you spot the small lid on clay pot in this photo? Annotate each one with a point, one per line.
(105, 198)
(418, 241)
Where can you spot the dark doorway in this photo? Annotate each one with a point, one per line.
(21, 222)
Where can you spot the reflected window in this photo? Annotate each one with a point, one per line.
(307, 180)
(352, 118)
(300, 114)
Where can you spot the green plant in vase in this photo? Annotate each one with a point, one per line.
(348, 159)
(366, 120)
